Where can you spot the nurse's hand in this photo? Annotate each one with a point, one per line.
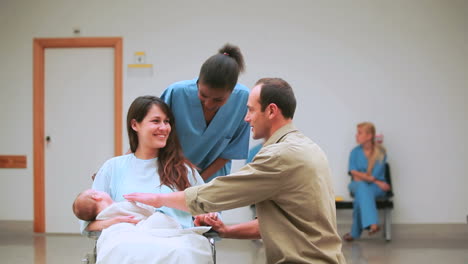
(152, 199)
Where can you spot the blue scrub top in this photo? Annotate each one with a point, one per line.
(358, 162)
(227, 135)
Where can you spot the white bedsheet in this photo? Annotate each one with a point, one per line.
(129, 244)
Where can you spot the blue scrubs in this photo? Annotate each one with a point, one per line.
(364, 207)
(227, 135)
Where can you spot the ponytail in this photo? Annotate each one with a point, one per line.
(222, 70)
(378, 152)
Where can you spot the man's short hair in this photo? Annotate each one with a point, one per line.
(84, 207)
(279, 92)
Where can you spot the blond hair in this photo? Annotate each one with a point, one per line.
(378, 152)
(85, 207)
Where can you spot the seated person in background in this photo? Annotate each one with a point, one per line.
(92, 205)
(367, 170)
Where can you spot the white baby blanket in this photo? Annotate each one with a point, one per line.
(157, 238)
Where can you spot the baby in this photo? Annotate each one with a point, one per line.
(92, 205)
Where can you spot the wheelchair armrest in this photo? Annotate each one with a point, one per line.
(211, 234)
(93, 234)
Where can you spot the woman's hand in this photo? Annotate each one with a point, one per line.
(126, 219)
(152, 199)
(383, 185)
(99, 225)
(212, 220)
(356, 178)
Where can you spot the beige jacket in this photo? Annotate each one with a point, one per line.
(289, 181)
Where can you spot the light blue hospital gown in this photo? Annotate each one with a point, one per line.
(227, 135)
(365, 193)
(128, 174)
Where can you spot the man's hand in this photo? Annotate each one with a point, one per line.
(212, 220)
(152, 199)
(174, 200)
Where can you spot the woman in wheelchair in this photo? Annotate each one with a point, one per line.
(367, 170)
(156, 164)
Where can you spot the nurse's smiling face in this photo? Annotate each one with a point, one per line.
(153, 131)
(210, 98)
(258, 119)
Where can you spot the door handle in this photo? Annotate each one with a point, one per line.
(47, 139)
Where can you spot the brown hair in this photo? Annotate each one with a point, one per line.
(172, 164)
(84, 207)
(279, 92)
(222, 70)
(378, 152)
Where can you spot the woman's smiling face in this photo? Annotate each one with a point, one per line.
(153, 131)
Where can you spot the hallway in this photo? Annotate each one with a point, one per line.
(447, 244)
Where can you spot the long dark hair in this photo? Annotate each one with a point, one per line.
(221, 70)
(172, 164)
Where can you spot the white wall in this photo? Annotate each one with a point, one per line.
(401, 64)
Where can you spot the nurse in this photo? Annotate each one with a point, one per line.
(210, 113)
(367, 170)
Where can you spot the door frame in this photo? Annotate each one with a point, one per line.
(39, 46)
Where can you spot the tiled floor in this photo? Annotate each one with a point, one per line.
(446, 244)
